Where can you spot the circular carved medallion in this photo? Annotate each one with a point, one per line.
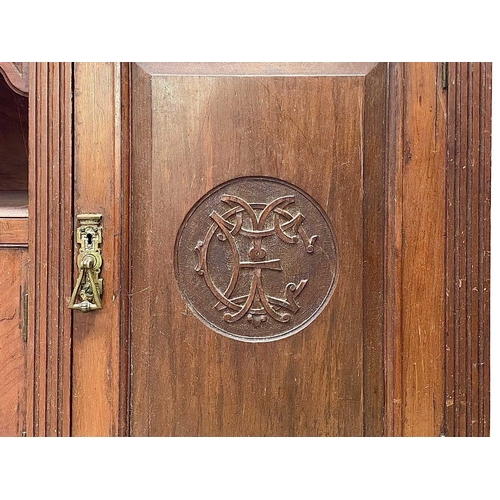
(256, 259)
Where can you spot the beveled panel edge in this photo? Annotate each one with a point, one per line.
(256, 68)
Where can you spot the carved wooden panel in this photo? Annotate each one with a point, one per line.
(322, 133)
(259, 244)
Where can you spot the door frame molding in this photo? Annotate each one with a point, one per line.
(50, 249)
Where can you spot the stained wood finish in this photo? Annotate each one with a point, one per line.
(12, 346)
(16, 75)
(13, 256)
(423, 217)
(393, 253)
(50, 236)
(468, 195)
(100, 352)
(374, 223)
(192, 133)
(411, 334)
(14, 232)
(415, 248)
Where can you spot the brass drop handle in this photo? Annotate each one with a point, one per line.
(88, 286)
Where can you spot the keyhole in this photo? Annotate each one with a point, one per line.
(89, 239)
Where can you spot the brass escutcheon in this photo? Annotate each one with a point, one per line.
(88, 286)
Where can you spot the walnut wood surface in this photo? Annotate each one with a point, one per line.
(392, 253)
(14, 232)
(403, 347)
(422, 250)
(190, 134)
(50, 249)
(437, 294)
(12, 347)
(414, 359)
(99, 345)
(467, 262)
(374, 160)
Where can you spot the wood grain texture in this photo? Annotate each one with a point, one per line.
(423, 192)
(374, 223)
(12, 346)
(467, 262)
(16, 75)
(393, 245)
(415, 247)
(99, 348)
(50, 254)
(403, 347)
(13, 140)
(191, 134)
(13, 232)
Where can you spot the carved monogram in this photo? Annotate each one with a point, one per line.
(256, 259)
(255, 222)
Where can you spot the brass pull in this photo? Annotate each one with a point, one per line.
(88, 285)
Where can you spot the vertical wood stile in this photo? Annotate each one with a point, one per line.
(99, 345)
(393, 241)
(415, 249)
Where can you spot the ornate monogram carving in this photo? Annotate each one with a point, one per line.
(272, 220)
(256, 259)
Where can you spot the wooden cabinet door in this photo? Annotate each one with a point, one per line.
(250, 366)
(298, 360)
(279, 249)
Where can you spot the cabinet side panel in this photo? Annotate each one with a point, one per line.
(12, 346)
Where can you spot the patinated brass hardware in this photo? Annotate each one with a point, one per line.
(88, 285)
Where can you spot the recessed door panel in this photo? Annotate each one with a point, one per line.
(278, 346)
